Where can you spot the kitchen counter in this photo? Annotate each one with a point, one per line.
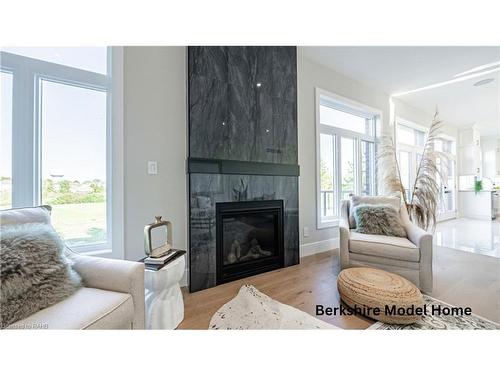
(482, 191)
(476, 205)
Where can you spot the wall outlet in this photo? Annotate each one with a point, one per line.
(152, 167)
(306, 231)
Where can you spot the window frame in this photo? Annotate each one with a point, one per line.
(28, 74)
(413, 149)
(350, 106)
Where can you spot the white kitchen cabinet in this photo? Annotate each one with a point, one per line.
(497, 159)
(491, 157)
(469, 153)
(470, 160)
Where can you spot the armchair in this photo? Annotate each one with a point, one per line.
(409, 257)
(112, 296)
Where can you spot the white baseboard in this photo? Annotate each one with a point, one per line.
(319, 247)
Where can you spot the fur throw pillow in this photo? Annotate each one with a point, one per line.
(34, 272)
(380, 219)
(355, 200)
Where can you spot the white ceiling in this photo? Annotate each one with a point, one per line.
(399, 69)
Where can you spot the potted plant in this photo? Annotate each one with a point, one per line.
(478, 186)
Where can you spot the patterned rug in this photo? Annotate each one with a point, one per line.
(252, 309)
(441, 321)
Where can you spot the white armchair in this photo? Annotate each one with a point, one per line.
(112, 296)
(409, 257)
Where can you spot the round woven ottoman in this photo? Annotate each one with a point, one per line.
(365, 289)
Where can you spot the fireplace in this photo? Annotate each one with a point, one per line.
(249, 238)
(243, 155)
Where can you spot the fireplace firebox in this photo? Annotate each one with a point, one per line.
(249, 238)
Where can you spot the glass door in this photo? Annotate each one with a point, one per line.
(447, 179)
(447, 205)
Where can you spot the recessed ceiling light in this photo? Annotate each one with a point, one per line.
(484, 82)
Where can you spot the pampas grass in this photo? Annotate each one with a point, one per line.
(425, 197)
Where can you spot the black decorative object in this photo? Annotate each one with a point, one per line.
(242, 145)
(240, 192)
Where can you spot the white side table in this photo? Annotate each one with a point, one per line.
(164, 303)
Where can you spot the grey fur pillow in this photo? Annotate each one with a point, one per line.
(380, 219)
(355, 200)
(34, 272)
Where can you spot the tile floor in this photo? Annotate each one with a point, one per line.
(475, 236)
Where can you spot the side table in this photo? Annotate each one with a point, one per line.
(164, 302)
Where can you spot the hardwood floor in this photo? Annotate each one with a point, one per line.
(460, 278)
(312, 282)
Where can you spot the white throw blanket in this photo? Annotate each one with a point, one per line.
(251, 309)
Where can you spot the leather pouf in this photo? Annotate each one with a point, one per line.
(363, 287)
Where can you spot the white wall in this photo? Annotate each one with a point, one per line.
(415, 115)
(155, 129)
(410, 113)
(155, 125)
(309, 76)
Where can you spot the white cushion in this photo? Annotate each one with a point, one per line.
(88, 308)
(27, 215)
(384, 246)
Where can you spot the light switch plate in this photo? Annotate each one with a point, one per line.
(306, 231)
(152, 167)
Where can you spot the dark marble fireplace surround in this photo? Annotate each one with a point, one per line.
(242, 144)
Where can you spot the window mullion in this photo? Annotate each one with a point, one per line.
(23, 139)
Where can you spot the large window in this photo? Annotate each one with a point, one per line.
(73, 160)
(346, 153)
(56, 138)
